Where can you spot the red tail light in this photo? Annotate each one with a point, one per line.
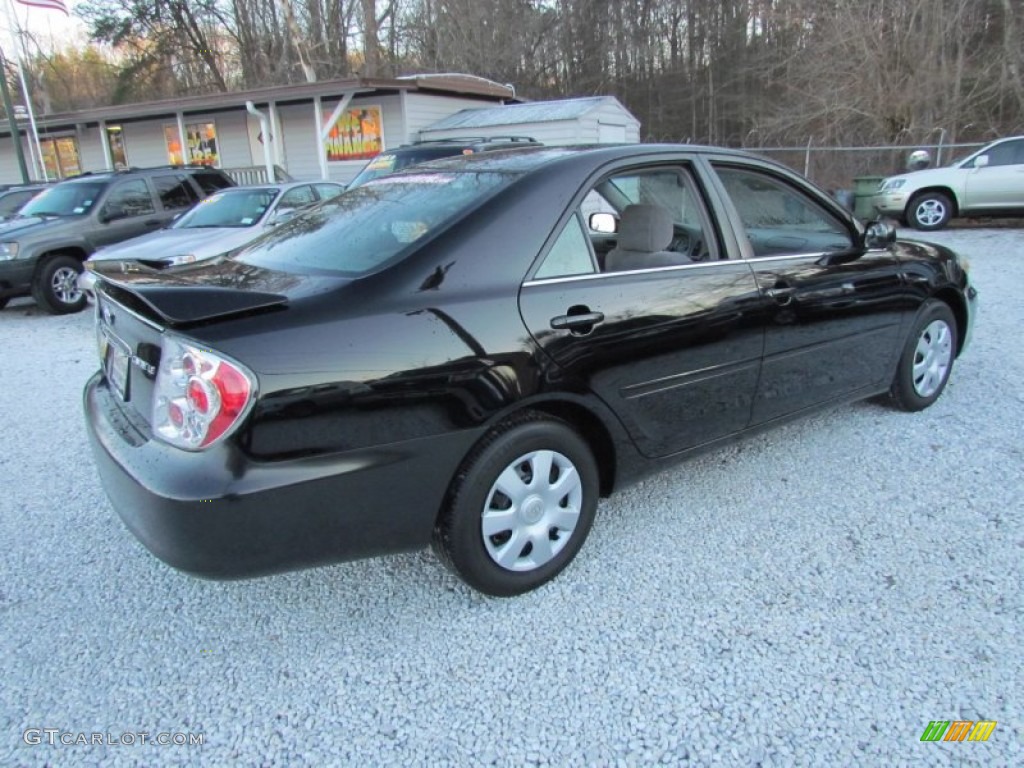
(199, 396)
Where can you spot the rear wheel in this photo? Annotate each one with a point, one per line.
(930, 211)
(520, 506)
(55, 287)
(927, 358)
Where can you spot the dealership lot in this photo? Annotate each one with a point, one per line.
(815, 595)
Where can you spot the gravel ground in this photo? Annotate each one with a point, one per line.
(812, 596)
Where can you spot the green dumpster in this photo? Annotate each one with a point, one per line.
(864, 188)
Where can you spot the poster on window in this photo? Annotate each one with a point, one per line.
(357, 134)
(115, 140)
(174, 155)
(202, 144)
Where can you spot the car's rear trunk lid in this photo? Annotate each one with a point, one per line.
(186, 298)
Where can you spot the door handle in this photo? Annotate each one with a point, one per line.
(581, 323)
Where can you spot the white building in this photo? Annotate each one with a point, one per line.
(324, 130)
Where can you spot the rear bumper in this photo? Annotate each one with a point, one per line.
(219, 514)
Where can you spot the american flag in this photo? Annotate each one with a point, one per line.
(56, 5)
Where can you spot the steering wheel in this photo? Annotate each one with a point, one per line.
(698, 250)
(681, 243)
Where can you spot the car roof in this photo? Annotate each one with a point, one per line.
(130, 172)
(281, 186)
(466, 141)
(525, 159)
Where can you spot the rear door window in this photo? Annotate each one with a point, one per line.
(296, 198)
(327, 191)
(210, 182)
(174, 191)
(128, 199)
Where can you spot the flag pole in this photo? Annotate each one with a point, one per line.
(12, 19)
(12, 119)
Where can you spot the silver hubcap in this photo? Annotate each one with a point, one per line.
(532, 510)
(65, 285)
(932, 357)
(931, 212)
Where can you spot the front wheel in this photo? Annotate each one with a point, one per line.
(927, 358)
(930, 211)
(55, 287)
(520, 506)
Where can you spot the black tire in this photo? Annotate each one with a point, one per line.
(929, 211)
(3, 301)
(934, 334)
(55, 287)
(519, 446)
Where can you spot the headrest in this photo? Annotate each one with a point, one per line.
(645, 228)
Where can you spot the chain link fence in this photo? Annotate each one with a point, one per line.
(835, 168)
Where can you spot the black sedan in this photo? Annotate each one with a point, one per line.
(472, 352)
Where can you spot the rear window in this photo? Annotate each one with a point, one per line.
(210, 181)
(389, 162)
(367, 228)
(12, 201)
(174, 191)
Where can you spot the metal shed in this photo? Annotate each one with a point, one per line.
(588, 120)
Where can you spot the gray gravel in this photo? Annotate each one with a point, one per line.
(812, 596)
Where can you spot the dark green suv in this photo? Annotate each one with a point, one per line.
(42, 249)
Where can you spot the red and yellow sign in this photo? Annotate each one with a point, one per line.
(357, 134)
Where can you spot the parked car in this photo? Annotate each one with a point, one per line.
(225, 220)
(456, 354)
(42, 249)
(989, 182)
(14, 198)
(393, 160)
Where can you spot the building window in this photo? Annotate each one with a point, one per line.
(115, 140)
(60, 156)
(173, 141)
(201, 147)
(357, 134)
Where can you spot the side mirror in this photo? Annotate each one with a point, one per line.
(606, 223)
(879, 234)
(981, 161)
(108, 215)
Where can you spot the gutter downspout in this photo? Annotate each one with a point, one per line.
(265, 130)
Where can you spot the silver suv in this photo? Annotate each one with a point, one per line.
(989, 182)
